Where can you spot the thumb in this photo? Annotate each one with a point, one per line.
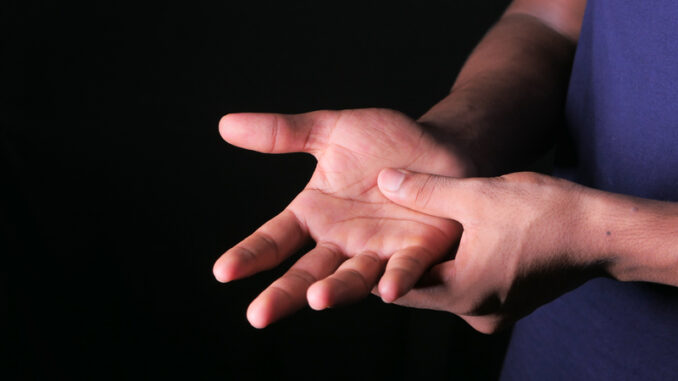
(440, 196)
(278, 133)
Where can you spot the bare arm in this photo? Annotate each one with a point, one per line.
(509, 96)
(512, 85)
(638, 238)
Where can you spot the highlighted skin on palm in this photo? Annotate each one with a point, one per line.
(360, 234)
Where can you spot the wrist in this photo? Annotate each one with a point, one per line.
(635, 239)
(488, 130)
(454, 125)
(593, 230)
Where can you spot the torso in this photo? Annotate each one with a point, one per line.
(621, 136)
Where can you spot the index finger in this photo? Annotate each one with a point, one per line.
(403, 270)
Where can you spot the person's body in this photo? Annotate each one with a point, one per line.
(527, 239)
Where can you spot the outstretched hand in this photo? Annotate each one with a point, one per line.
(359, 233)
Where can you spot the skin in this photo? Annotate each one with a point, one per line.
(509, 97)
(511, 258)
(492, 122)
(356, 229)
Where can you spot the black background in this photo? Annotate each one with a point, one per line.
(118, 193)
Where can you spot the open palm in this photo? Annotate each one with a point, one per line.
(359, 234)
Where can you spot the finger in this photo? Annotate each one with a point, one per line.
(403, 270)
(288, 294)
(436, 195)
(437, 289)
(271, 244)
(353, 281)
(278, 133)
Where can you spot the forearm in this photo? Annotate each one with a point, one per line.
(508, 99)
(636, 238)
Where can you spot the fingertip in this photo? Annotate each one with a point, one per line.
(223, 120)
(226, 129)
(388, 291)
(257, 315)
(389, 180)
(222, 123)
(221, 273)
(224, 270)
(317, 297)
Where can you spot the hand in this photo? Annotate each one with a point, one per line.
(355, 227)
(521, 246)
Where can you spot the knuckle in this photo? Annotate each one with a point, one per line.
(332, 251)
(268, 240)
(303, 275)
(485, 187)
(523, 177)
(244, 254)
(424, 192)
(275, 129)
(486, 325)
(359, 277)
(278, 288)
(369, 258)
(405, 262)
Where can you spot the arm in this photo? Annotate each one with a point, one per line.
(509, 96)
(358, 233)
(638, 238)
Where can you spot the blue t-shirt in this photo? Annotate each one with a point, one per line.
(621, 136)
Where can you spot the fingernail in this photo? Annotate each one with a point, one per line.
(391, 179)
